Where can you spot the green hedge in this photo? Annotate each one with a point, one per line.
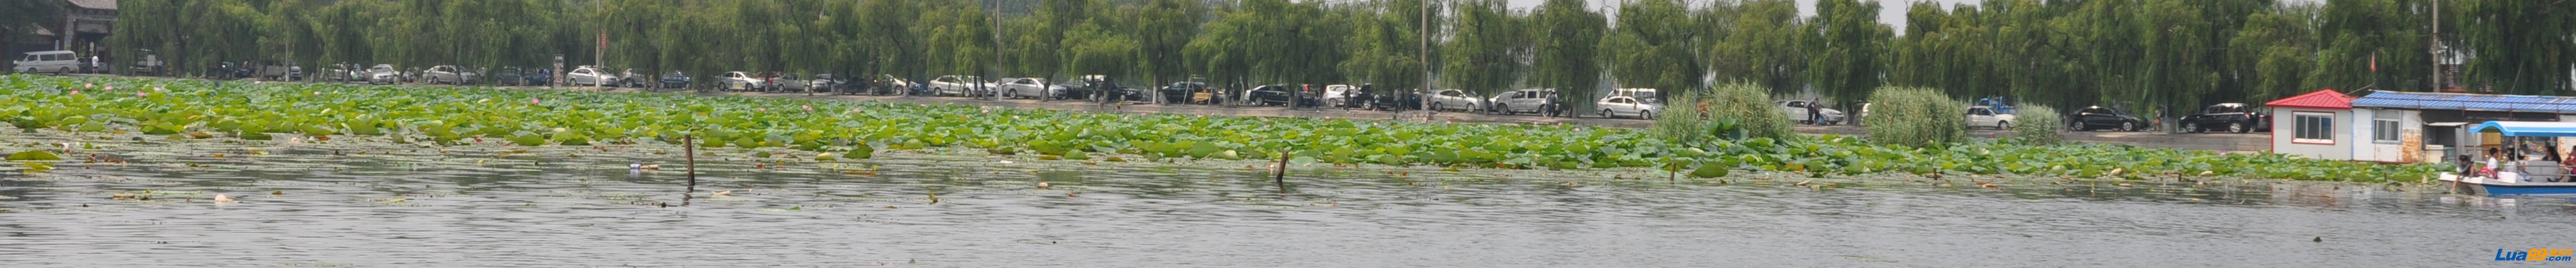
(1731, 111)
(2038, 125)
(1918, 117)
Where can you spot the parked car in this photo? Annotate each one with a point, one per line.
(739, 81)
(1627, 106)
(383, 74)
(826, 83)
(1797, 111)
(589, 76)
(1187, 92)
(537, 77)
(1338, 95)
(787, 82)
(1986, 116)
(1099, 87)
(288, 72)
(1400, 101)
(887, 84)
(2098, 117)
(960, 85)
(149, 66)
(675, 79)
(1537, 101)
(1452, 99)
(58, 62)
(228, 70)
(1644, 94)
(508, 76)
(449, 74)
(1033, 88)
(1281, 95)
(2229, 117)
(633, 79)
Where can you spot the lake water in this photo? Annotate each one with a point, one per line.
(371, 203)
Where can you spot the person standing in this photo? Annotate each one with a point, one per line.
(1814, 117)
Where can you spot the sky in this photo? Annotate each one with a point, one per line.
(1890, 12)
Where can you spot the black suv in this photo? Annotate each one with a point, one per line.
(2229, 117)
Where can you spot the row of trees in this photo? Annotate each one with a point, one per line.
(2151, 55)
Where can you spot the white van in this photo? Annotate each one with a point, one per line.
(58, 61)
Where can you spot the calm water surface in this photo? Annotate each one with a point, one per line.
(374, 203)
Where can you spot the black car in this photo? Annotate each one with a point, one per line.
(510, 76)
(1271, 94)
(2229, 117)
(229, 70)
(1180, 92)
(1101, 89)
(2098, 117)
(675, 79)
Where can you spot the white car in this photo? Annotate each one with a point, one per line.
(1339, 95)
(1452, 99)
(58, 61)
(1625, 106)
(959, 85)
(1517, 101)
(383, 74)
(738, 81)
(1982, 116)
(1797, 111)
(590, 76)
(1034, 88)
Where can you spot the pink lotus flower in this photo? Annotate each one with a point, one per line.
(141, 94)
(111, 88)
(809, 108)
(75, 92)
(89, 85)
(533, 101)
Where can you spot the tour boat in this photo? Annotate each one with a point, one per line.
(2512, 181)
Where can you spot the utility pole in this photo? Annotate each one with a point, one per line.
(2436, 48)
(997, 50)
(1425, 56)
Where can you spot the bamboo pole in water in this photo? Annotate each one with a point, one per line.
(688, 146)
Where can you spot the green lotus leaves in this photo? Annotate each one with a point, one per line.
(450, 116)
(34, 156)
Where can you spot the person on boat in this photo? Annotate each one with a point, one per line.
(2489, 168)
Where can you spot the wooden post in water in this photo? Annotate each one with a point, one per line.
(688, 146)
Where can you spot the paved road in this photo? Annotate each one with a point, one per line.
(2249, 142)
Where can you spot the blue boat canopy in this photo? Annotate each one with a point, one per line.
(2529, 129)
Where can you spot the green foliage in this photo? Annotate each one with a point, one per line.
(1566, 54)
(1845, 63)
(436, 116)
(1730, 111)
(1916, 117)
(2038, 125)
(1488, 49)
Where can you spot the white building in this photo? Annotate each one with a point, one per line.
(2306, 125)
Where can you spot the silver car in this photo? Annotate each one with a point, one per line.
(738, 81)
(383, 74)
(1452, 99)
(589, 76)
(960, 85)
(1526, 100)
(1625, 106)
(448, 74)
(1033, 88)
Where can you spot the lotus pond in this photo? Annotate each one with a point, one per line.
(134, 199)
(193, 109)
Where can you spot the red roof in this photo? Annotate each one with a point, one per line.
(2322, 99)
